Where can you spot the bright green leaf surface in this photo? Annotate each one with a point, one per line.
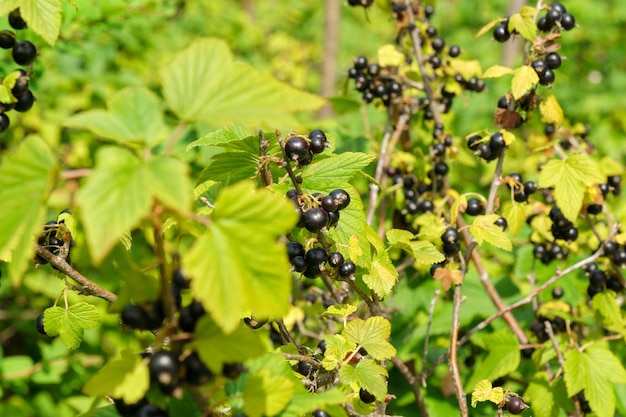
(203, 84)
(372, 335)
(307, 402)
(382, 274)
(216, 347)
(26, 178)
(523, 80)
(423, 251)
(524, 25)
(540, 392)
(484, 230)
(366, 374)
(237, 265)
(42, 16)
(503, 357)
(134, 115)
(69, 323)
(337, 347)
(336, 171)
(126, 377)
(497, 71)
(266, 394)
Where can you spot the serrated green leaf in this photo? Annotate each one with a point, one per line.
(372, 335)
(265, 394)
(335, 171)
(483, 391)
(382, 274)
(337, 347)
(539, 391)
(606, 304)
(389, 56)
(231, 167)
(15, 367)
(503, 357)
(484, 230)
(306, 403)
(202, 83)
(216, 348)
(523, 80)
(121, 190)
(237, 265)
(366, 374)
(551, 111)
(69, 323)
(339, 310)
(398, 236)
(126, 377)
(424, 252)
(570, 178)
(486, 28)
(496, 71)
(216, 138)
(133, 115)
(509, 137)
(524, 24)
(26, 179)
(42, 16)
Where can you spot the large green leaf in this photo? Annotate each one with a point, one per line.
(121, 190)
(126, 377)
(371, 335)
(382, 274)
(134, 115)
(366, 374)
(42, 16)
(237, 265)
(335, 171)
(203, 84)
(485, 230)
(540, 392)
(266, 394)
(423, 251)
(26, 179)
(503, 357)
(70, 322)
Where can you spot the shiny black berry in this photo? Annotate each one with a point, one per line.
(335, 259)
(179, 280)
(4, 122)
(547, 77)
(320, 413)
(539, 65)
(7, 39)
(322, 346)
(164, 367)
(39, 324)
(315, 219)
(316, 257)
(347, 269)
(24, 53)
(501, 223)
(515, 405)
(438, 44)
(553, 60)
(557, 292)
(341, 197)
(16, 21)
(501, 33)
(360, 63)
(454, 51)
(441, 169)
(196, 372)
(475, 207)
(567, 21)
(298, 263)
(366, 396)
(329, 204)
(497, 143)
(128, 410)
(297, 148)
(450, 236)
(295, 249)
(594, 208)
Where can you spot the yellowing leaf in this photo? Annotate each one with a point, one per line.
(483, 391)
(382, 275)
(509, 137)
(551, 111)
(372, 335)
(515, 216)
(524, 25)
(339, 310)
(467, 68)
(524, 79)
(42, 16)
(69, 323)
(497, 71)
(127, 378)
(389, 56)
(484, 230)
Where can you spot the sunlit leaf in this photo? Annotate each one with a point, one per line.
(70, 323)
(486, 28)
(366, 374)
(483, 391)
(42, 16)
(372, 335)
(485, 230)
(524, 79)
(503, 356)
(524, 24)
(126, 377)
(551, 111)
(389, 56)
(265, 394)
(497, 71)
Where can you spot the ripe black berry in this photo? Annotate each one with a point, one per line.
(567, 21)
(164, 367)
(360, 63)
(322, 346)
(39, 324)
(597, 278)
(373, 70)
(335, 259)
(431, 31)
(557, 292)
(503, 102)
(347, 269)
(429, 11)
(426, 206)
(315, 219)
(435, 61)
(474, 207)
(502, 223)
(196, 372)
(304, 368)
(366, 396)
(16, 21)
(516, 405)
(136, 317)
(497, 143)
(128, 410)
(438, 44)
(454, 51)
(484, 151)
(542, 24)
(451, 249)
(317, 145)
(316, 257)
(296, 148)
(594, 208)
(4, 122)
(341, 197)
(441, 169)
(553, 60)
(547, 77)
(320, 413)
(592, 290)
(619, 258)
(24, 53)
(553, 16)
(473, 142)
(7, 39)
(501, 33)
(299, 263)
(295, 249)
(180, 280)
(450, 236)
(539, 65)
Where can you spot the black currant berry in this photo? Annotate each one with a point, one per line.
(320, 413)
(429, 10)
(150, 410)
(435, 61)
(360, 63)
(186, 321)
(503, 102)
(441, 169)
(24, 53)
(592, 290)
(4, 122)
(539, 65)
(16, 21)
(373, 70)
(450, 236)
(438, 44)
(501, 223)
(597, 278)
(164, 367)
(196, 372)
(335, 259)
(553, 60)
(475, 207)
(366, 396)
(347, 269)
(553, 16)
(333, 218)
(542, 24)
(431, 31)
(299, 263)
(619, 258)
(594, 208)
(614, 284)
(322, 346)
(520, 196)
(136, 317)
(501, 33)
(304, 368)
(316, 257)
(39, 324)
(567, 21)
(516, 405)
(296, 148)
(557, 292)
(426, 206)
(128, 410)
(547, 77)
(353, 72)
(497, 143)
(454, 51)
(315, 219)
(527, 353)
(473, 142)
(317, 145)
(7, 39)
(329, 204)
(341, 197)
(484, 151)
(295, 249)
(451, 249)
(180, 280)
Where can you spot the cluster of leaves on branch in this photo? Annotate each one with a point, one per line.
(269, 284)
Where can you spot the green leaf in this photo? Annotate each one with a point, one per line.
(524, 24)
(337, 347)
(483, 391)
(339, 310)
(26, 180)
(539, 391)
(503, 357)
(216, 138)
(523, 80)
(335, 171)
(185, 406)
(126, 377)
(423, 251)
(484, 230)
(372, 335)
(203, 84)
(306, 403)
(486, 28)
(515, 216)
(70, 322)
(570, 178)
(265, 394)
(551, 111)
(133, 115)
(42, 16)
(216, 347)
(496, 71)
(382, 274)
(231, 167)
(390, 56)
(15, 367)
(606, 304)
(237, 266)
(366, 374)
(121, 190)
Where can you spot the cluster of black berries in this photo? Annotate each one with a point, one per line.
(372, 82)
(613, 185)
(52, 240)
(416, 193)
(301, 149)
(319, 211)
(538, 327)
(23, 53)
(521, 190)
(312, 262)
(556, 17)
(544, 67)
(488, 150)
(600, 280)
(561, 227)
(546, 252)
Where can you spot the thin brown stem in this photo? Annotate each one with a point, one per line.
(174, 137)
(414, 383)
(453, 362)
(73, 174)
(380, 170)
(266, 175)
(431, 313)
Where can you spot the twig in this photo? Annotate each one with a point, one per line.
(303, 358)
(176, 134)
(454, 366)
(266, 175)
(431, 312)
(88, 287)
(380, 170)
(414, 383)
(73, 174)
(284, 332)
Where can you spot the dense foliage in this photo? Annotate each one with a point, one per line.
(183, 234)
